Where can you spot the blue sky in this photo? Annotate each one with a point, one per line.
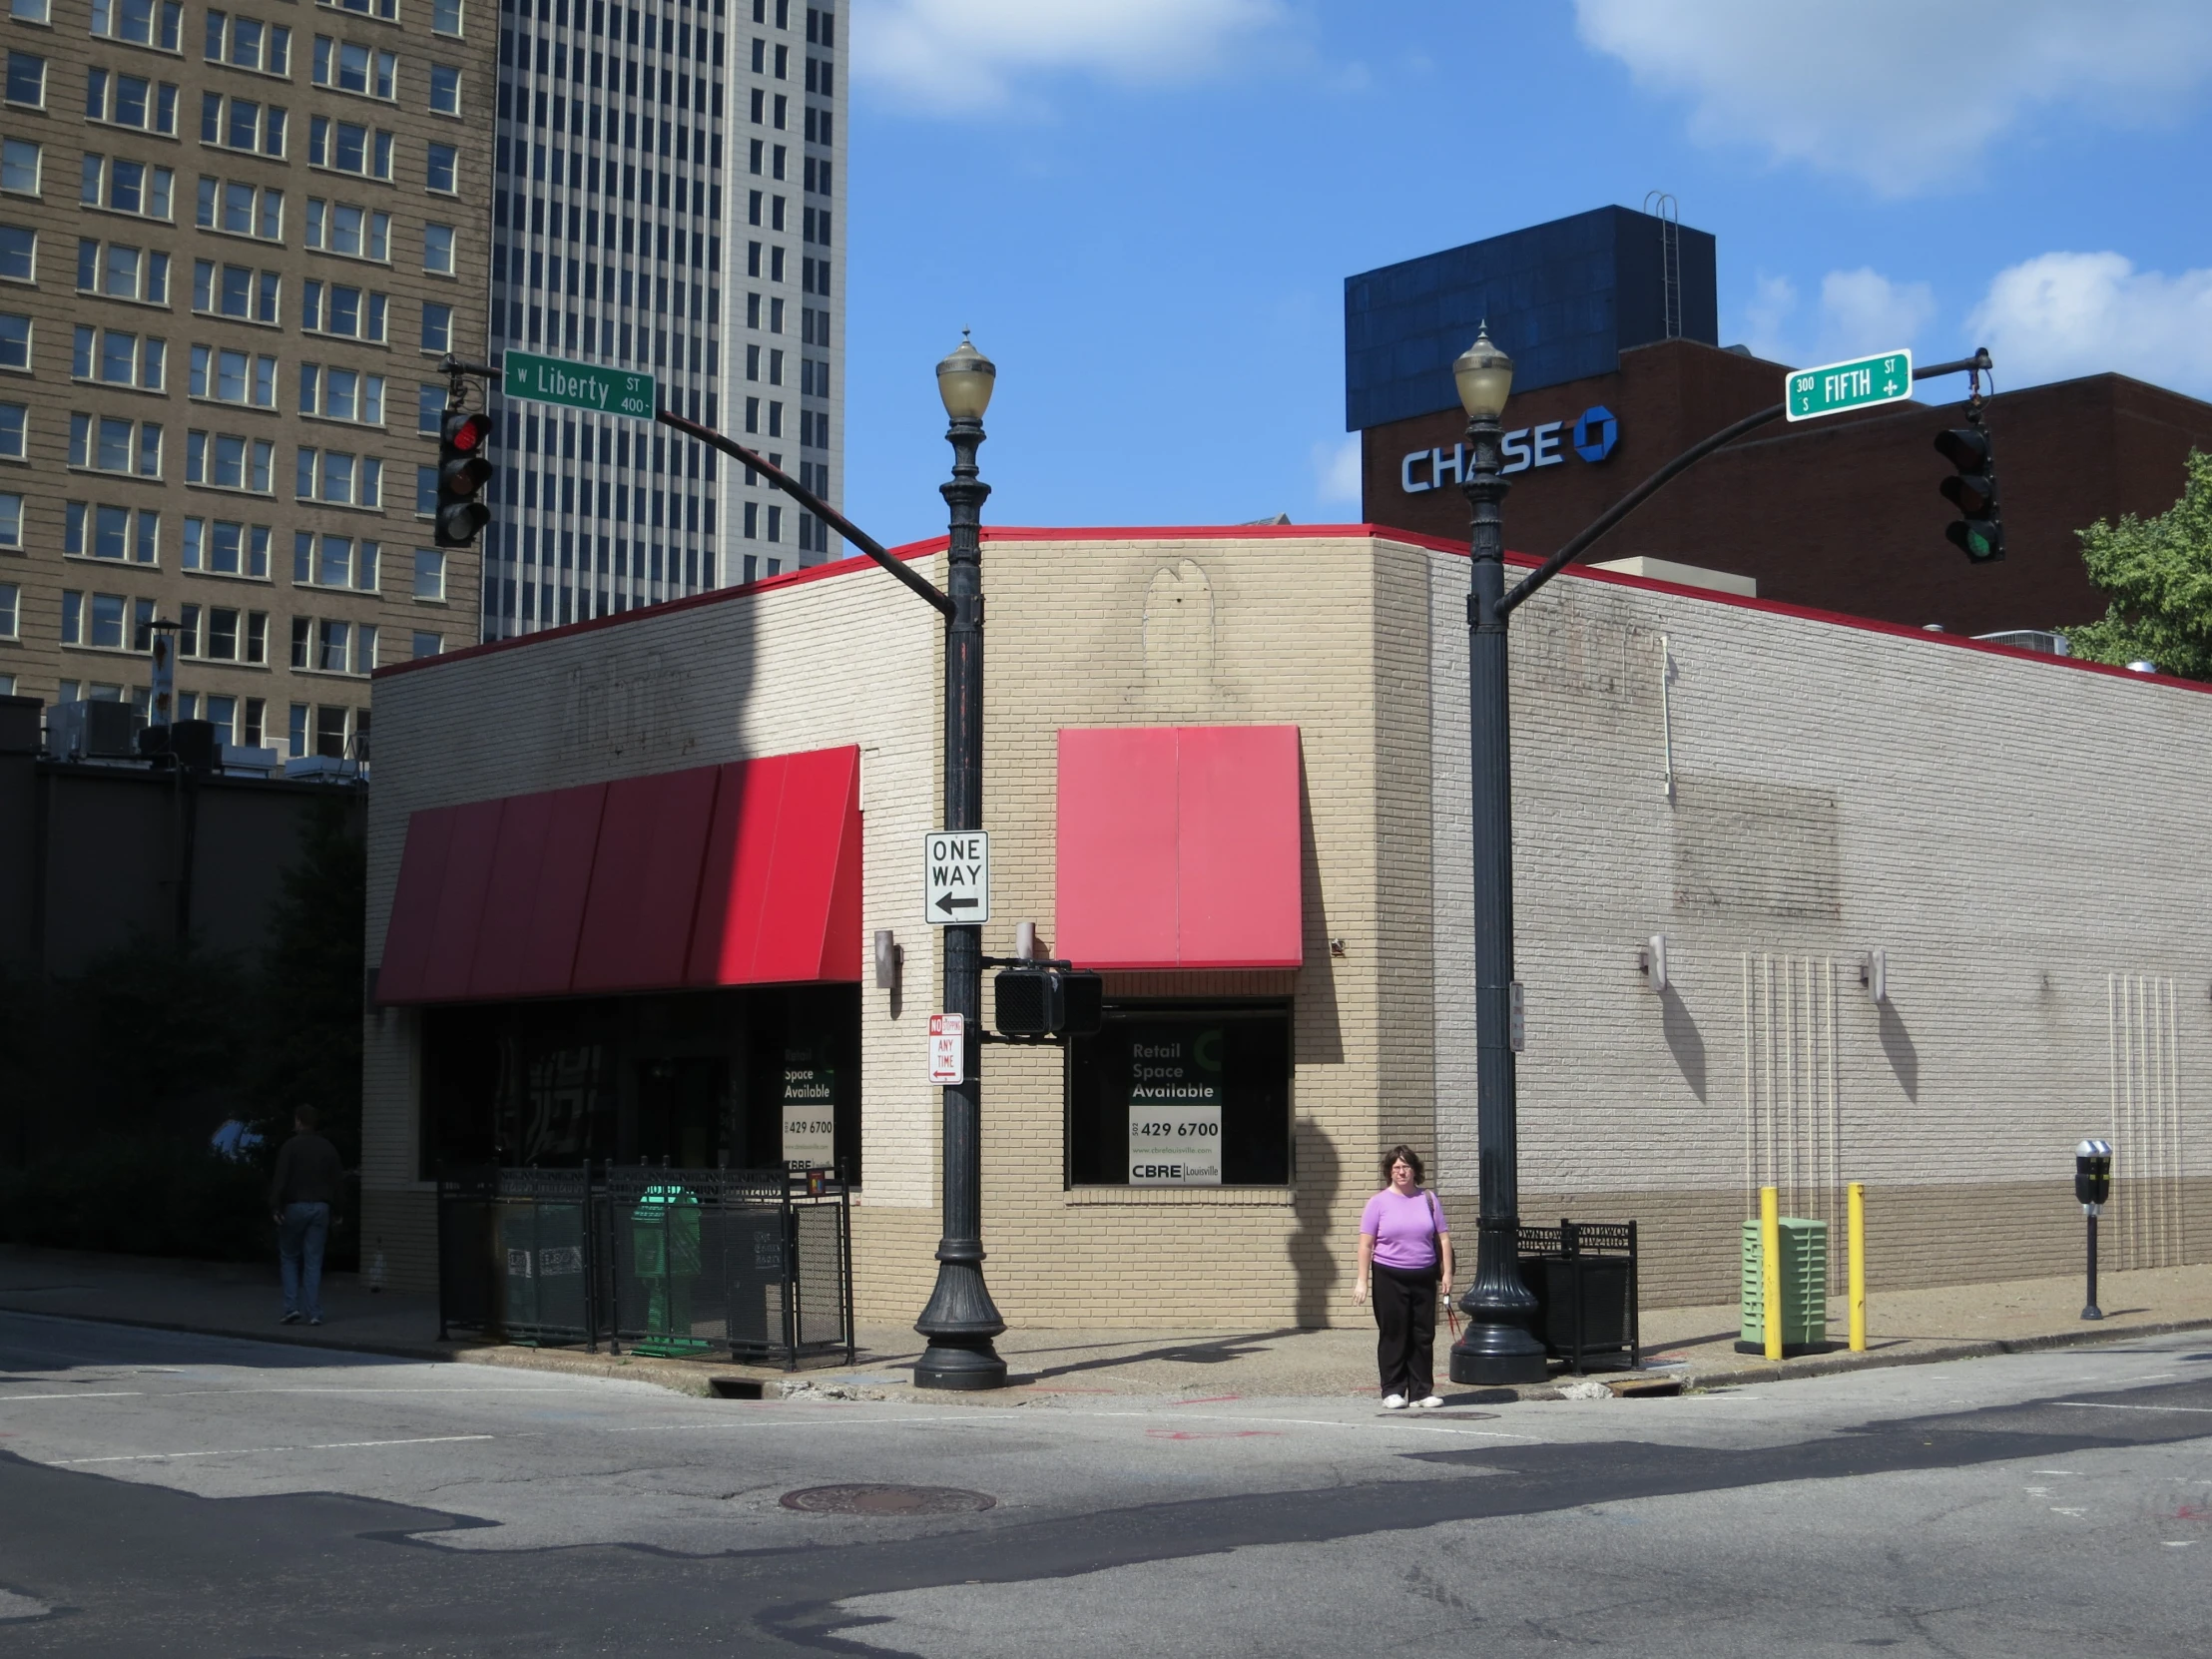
(1145, 208)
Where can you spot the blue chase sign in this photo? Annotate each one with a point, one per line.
(1591, 435)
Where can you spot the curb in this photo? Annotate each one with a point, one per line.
(693, 1376)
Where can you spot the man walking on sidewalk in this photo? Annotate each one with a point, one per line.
(300, 1196)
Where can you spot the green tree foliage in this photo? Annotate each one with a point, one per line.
(112, 1081)
(2158, 574)
(308, 1039)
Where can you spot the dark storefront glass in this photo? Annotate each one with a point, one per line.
(697, 1079)
(1182, 1094)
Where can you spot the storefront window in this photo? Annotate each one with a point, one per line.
(1182, 1095)
(741, 1080)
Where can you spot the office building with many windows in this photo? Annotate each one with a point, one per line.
(668, 199)
(233, 244)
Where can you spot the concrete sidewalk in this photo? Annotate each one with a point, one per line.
(1685, 1346)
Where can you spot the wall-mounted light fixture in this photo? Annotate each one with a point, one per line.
(1652, 960)
(890, 954)
(1874, 974)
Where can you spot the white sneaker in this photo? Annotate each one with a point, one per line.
(1394, 1403)
(1430, 1403)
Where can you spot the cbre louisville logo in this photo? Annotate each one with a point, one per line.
(1591, 435)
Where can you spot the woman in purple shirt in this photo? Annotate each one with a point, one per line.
(1405, 1247)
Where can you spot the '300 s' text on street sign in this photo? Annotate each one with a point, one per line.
(957, 876)
(614, 391)
(1808, 394)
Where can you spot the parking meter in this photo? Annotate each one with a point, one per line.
(2093, 1176)
(2093, 1190)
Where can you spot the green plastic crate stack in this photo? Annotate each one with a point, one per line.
(1804, 1284)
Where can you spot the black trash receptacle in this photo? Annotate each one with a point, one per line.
(1583, 1277)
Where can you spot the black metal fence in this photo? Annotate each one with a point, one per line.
(753, 1264)
(1583, 1276)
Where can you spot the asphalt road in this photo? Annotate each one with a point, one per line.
(169, 1495)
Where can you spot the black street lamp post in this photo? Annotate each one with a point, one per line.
(961, 1319)
(1497, 1347)
(1500, 1346)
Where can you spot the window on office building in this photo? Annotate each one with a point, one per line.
(1181, 1095)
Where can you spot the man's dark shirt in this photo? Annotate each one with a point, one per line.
(307, 1172)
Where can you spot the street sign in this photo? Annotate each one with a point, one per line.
(1808, 394)
(948, 1049)
(612, 391)
(957, 876)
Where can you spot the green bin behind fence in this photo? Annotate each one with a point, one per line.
(1803, 1285)
(664, 1256)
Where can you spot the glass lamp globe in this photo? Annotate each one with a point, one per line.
(1485, 375)
(965, 380)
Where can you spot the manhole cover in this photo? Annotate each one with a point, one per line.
(871, 1499)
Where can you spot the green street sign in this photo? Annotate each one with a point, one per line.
(579, 385)
(1808, 394)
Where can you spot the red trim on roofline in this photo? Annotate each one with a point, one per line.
(1263, 532)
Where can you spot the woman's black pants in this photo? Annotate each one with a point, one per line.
(1405, 1314)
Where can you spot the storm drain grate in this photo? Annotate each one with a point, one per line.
(874, 1500)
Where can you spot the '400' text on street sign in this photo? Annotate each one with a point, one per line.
(612, 391)
(1859, 384)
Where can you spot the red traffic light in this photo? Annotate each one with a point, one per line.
(467, 433)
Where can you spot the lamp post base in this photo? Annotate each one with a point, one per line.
(964, 1364)
(1498, 1357)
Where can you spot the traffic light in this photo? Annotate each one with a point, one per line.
(463, 469)
(1047, 1002)
(1972, 489)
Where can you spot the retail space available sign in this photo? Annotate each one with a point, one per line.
(1592, 435)
(810, 1111)
(1808, 394)
(614, 391)
(957, 876)
(1175, 1106)
(948, 1049)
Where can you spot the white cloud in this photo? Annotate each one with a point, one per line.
(2061, 315)
(1773, 299)
(955, 56)
(1860, 312)
(1903, 93)
(1337, 471)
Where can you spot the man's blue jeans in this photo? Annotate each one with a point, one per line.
(300, 1248)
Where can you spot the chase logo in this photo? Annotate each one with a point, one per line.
(1593, 435)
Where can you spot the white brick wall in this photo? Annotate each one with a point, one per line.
(2011, 831)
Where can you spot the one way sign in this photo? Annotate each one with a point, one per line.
(957, 876)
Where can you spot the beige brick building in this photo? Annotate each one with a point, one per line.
(233, 243)
(1782, 794)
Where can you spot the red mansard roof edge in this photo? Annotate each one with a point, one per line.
(1266, 532)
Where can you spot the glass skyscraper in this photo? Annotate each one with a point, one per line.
(668, 197)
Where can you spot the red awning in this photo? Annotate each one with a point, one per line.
(1179, 847)
(739, 874)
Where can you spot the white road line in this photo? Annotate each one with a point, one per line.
(1324, 1422)
(2113, 1405)
(117, 1394)
(255, 1450)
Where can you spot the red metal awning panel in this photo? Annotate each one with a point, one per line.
(1179, 846)
(781, 902)
(534, 900)
(410, 932)
(745, 873)
(645, 881)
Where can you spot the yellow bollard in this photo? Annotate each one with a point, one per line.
(1858, 1225)
(1770, 1260)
